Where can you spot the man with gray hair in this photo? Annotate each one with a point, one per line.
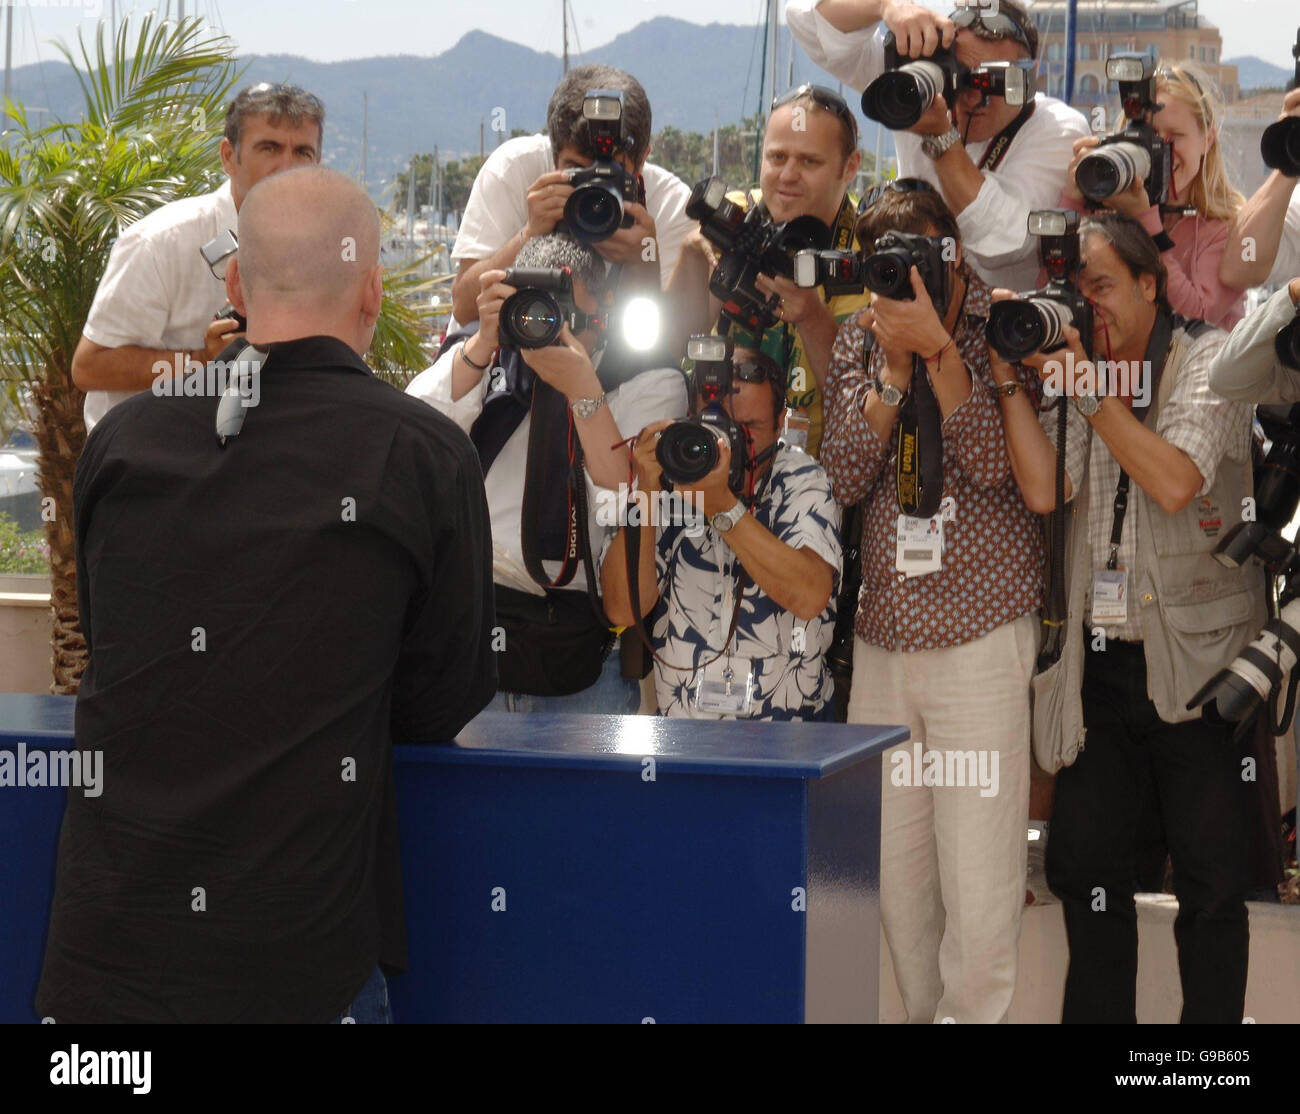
(159, 300)
(264, 619)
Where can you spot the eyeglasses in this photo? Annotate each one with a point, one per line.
(988, 25)
(894, 185)
(826, 98)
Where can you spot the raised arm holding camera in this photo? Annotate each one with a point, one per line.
(958, 95)
(740, 612)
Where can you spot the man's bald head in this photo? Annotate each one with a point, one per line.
(307, 237)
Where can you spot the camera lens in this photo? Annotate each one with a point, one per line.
(594, 211)
(898, 98)
(687, 451)
(1287, 345)
(1280, 146)
(1023, 326)
(1111, 169)
(887, 273)
(530, 319)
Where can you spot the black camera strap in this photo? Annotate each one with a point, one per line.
(549, 418)
(998, 146)
(918, 474)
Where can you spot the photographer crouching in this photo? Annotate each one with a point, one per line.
(946, 637)
(741, 611)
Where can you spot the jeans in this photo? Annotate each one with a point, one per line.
(611, 695)
(1191, 772)
(370, 1006)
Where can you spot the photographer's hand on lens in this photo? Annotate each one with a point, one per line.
(649, 472)
(627, 245)
(903, 327)
(1081, 148)
(1290, 105)
(919, 31)
(936, 120)
(1000, 369)
(566, 367)
(799, 306)
(218, 334)
(491, 298)
(546, 200)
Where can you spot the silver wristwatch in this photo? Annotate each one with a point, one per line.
(889, 394)
(726, 520)
(936, 145)
(1087, 405)
(586, 407)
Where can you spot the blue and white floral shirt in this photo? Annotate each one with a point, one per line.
(688, 625)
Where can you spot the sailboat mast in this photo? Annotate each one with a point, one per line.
(365, 127)
(564, 10)
(9, 58)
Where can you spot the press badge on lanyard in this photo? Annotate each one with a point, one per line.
(920, 545)
(726, 686)
(1110, 585)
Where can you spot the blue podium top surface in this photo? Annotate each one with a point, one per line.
(740, 747)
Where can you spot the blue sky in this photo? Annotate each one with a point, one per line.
(337, 29)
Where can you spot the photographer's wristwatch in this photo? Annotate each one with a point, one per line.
(586, 407)
(1087, 405)
(935, 146)
(889, 394)
(726, 520)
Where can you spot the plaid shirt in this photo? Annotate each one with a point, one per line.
(1206, 427)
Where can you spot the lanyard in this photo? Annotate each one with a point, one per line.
(997, 150)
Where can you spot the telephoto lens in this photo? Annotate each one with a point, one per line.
(898, 98)
(1280, 146)
(1111, 169)
(1019, 327)
(687, 451)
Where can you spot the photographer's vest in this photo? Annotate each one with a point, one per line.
(1196, 614)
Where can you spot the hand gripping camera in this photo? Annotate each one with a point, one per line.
(886, 271)
(1137, 151)
(1035, 321)
(751, 244)
(1280, 144)
(688, 449)
(541, 305)
(594, 211)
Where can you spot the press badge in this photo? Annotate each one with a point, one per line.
(920, 545)
(1109, 596)
(726, 688)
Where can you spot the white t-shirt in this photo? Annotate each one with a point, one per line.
(1031, 176)
(1287, 264)
(648, 397)
(157, 291)
(498, 203)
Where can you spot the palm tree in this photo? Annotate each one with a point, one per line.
(150, 131)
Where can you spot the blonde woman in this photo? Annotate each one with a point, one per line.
(1191, 244)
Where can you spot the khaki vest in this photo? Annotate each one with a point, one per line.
(1196, 615)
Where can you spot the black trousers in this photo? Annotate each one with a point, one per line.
(1134, 761)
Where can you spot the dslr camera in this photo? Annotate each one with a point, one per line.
(886, 271)
(688, 449)
(1280, 144)
(751, 244)
(541, 305)
(594, 211)
(900, 96)
(1135, 152)
(1035, 321)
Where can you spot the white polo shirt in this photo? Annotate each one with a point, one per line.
(157, 292)
(1287, 264)
(993, 227)
(498, 203)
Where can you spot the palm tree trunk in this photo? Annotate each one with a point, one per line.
(60, 434)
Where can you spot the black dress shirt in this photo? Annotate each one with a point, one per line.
(264, 620)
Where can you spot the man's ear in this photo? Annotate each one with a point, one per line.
(228, 158)
(235, 285)
(372, 296)
(1147, 285)
(851, 166)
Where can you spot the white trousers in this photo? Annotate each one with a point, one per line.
(953, 823)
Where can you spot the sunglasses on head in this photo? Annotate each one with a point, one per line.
(826, 98)
(991, 26)
(894, 185)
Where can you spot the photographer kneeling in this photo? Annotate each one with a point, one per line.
(546, 427)
(741, 611)
(946, 635)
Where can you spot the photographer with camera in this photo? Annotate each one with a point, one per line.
(958, 95)
(1157, 468)
(945, 626)
(740, 612)
(526, 189)
(1166, 170)
(159, 301)
(530, 387)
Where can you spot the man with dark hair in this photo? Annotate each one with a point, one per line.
(946, 634)
(521, 190)
(546, 423)
(1157, 467)
(157, 300)
(993, 162)
(740, 611)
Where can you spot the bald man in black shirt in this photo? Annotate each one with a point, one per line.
(264, 620)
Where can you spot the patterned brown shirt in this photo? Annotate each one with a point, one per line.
(992, 570)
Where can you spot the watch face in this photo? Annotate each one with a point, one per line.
(1088, 405)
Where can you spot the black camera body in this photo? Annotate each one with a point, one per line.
(1136, 152)
(1012, 81)
(1280, 143)
(751, 243)
(688, 449)
(836, 272)
(886, 271)
(540, 307)
(899, 97)
(594, 211)
(1035, 321)
(1287, 344)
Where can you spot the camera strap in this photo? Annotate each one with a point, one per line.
(541, 536)
(997, 148)
(918, 477)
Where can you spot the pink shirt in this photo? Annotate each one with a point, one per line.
(1193, 265)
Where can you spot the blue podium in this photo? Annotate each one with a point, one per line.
(583, 869)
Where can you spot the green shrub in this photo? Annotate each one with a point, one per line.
(22, 551)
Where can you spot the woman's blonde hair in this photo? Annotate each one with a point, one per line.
(1211, 193)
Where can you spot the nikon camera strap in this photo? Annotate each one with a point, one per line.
(997, 148)
(919, 468)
